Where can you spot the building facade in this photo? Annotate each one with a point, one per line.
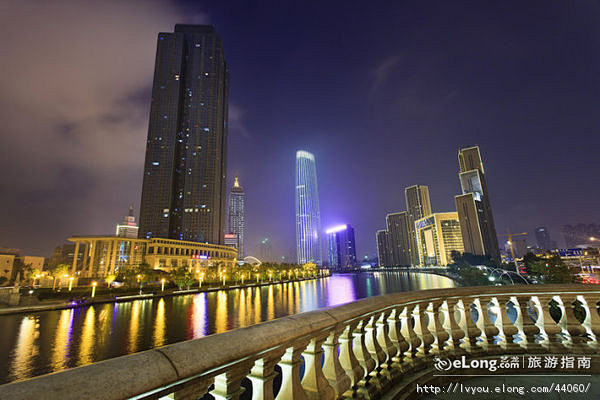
(437, 236)
(108, 255)
(542, 237)
(184, 188)
(399, 239)
(341, 247)
(128, 228)
(417, 206)
(308, 214)
(473, 206)
(237, 216)
(383, 249)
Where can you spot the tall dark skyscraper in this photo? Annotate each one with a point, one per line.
(399, 239)
(184, 189)
(542, 237)
(383, 248)
(473, 206)
(237, 215)
(341, 247)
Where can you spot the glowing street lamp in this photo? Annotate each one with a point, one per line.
(71, 283)
(200, 279)
(257, 276)
(243, 275)
(224, 276)
(94, 289)
(162, 285)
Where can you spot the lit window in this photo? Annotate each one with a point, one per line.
(206, 129)
(155, 163)
(176, 77)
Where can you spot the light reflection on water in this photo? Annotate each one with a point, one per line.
(51, 341)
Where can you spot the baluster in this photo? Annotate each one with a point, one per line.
(472, 332)
(575, 329)
(440, 336)
(228, 384)
(549, 329)
(375, 350)
(592, 319)
(332, 368)
(455, 332)
(395, 335)
(369, 384)
(348, 359)
(387, 346)
(193, 390)
(409, 334)
(421, 330)
(291, 387)
(508, 328)
(262, 375)
(486, 325)
(528, 327)
(315, 383)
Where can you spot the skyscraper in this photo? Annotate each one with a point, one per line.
(473, 206)
(399, 240)
(308, 215)
(128, 228)
(237, 221)
(418, 206)
(341, 247)
(383, 249)
(437, 236)
(542, 237)
(183, 194)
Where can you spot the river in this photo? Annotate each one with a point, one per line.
(48, 341)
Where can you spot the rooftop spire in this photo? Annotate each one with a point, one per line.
(236, 183)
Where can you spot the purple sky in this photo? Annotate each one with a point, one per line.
(383, 95)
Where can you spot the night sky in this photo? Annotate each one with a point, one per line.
(383, 94)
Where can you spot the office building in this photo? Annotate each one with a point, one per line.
(128, 228)
(106, 255)
(184, 188)
(308, 215)
(232, 240)
(399, 239)
(542, 237)
(237, 218)
(341, 247)
(417, 206)
(64, 255)
(437, 236)
(383, 249)
(473, 206)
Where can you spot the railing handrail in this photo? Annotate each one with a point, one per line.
(140, 373)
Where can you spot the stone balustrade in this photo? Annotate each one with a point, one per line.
(371, 348)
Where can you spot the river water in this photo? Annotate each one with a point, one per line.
(48, 341)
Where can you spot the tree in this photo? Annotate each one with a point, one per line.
(552, 270)
(472, 276)
(59, 271)
(182, 277)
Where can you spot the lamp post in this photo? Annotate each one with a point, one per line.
(162, 285)
(224, 276)
(200, 280)
(94, 289)
(71, 283)
(257, 276)
(139, 277)
(243, 279)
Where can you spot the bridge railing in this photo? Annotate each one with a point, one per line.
(360, 349)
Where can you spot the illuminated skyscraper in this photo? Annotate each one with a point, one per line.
(128, 228)
(383, 249)
(473, 206)
(437, 236)
(237, 221)
(341, 248)
(308, 215)
(418, 206)
(184, 189)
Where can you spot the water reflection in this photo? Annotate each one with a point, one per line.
(80, 336)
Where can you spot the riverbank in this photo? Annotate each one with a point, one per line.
(50, 305)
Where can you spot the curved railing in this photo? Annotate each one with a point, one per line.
(363, 349)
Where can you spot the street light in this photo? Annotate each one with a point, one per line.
(71, 283)
(94, 289)
(162, 286)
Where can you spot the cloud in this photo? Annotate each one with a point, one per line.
(383, 70)
(237, 123)
(76, 78)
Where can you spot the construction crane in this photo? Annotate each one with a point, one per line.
(510, 235)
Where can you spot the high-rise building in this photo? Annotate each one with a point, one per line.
(308, 215)
(266, 250)
(128, 228)
(399, 239)
(473, 206)
(341, 247)
(418, 206)
(542, 237)
(437, 236)
(237, 221)
(383, 249)
(184, 189)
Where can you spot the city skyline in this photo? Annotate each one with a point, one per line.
(420, 92)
